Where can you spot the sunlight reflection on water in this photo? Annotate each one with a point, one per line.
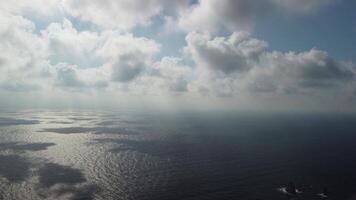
(98, 155)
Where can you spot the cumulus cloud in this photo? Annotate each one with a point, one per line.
(62, 56)
(120, 14)
(121, 55)
(106, 14)
(20, 63)
(239, 63)
(67, 76)
(236, 53)
(73, 78)
(168, 76)
(309, 69)
(188, 14)
(126, 55)
(127, 67)
(310, 72)
(35, 7)
(68, 45)
(71, 54)
(18, 38)
(240, 15)
(173, 75)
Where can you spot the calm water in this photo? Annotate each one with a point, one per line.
(123, 155)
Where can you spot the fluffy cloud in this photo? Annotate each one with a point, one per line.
(173, 75)
(309, 69)
(188, 14)
(236, 53)
(67, 76)
(68, 58)
(20, 63)
(120, 14)
(35, 7)
(64, 56)
(106, 14)
(67, 45)
(214, 15)
(70, 77)
(18, 38)
(241, 63)
(127, 67)
(166, 77)
(126, 55)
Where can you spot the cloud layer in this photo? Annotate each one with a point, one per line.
(86, 46)
(214, 15)
(242, 63)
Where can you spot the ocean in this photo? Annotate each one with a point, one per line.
(129, 155)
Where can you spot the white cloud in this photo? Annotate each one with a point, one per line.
(64, 57)
(72, 78)
(128, 67)
(68, 45)
(236, 53)
(68, 58)
(173, 76)
(214, 15)
(312, 72)
(126, 55)
(122, 44)
(67, 76)
(107, 14)
(126, 14)
(123, 56)
(240, 63)
(119, 14)
(23, 53)
(166, 77)
(34, 7)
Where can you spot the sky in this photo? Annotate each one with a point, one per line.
(294, 55)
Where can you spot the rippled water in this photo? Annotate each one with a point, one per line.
(123, 155)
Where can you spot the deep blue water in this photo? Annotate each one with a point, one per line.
(205, 155)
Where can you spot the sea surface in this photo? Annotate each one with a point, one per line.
(47, 154)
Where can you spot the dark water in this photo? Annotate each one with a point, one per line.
(123, 155)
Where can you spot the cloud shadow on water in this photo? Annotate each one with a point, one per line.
(14, 168)
(119, 121)
(52, 174)
(81, 118)
(59, 181)
(94, 130)
(25, 147)
(60, 122)
(84, 192)
(13, 122)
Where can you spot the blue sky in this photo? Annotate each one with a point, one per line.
(332, 29)
(250, 54)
